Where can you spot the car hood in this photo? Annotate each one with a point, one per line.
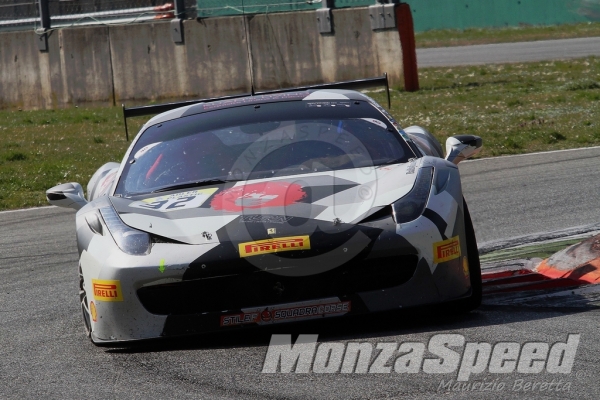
(330, 198)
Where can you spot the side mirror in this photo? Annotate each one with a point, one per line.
(461, 147)
(68, 195)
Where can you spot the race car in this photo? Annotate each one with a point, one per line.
(271, 208)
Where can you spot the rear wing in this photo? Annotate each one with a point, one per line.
(358, 84)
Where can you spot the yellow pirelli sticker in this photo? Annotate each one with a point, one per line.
(274, 245)
(93, 311)
(446, 250)
(107, 290)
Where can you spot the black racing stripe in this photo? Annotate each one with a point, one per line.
(437, 220)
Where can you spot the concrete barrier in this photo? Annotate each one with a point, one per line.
(147, 65)
(140, 62)
(77, 69)
(287, 49)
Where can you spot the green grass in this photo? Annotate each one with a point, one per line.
(40, 149)
(515, 108)
(543, 251)
(526, 33)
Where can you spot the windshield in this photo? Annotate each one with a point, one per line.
(260, 141)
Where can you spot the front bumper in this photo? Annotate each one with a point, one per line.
(378, 266)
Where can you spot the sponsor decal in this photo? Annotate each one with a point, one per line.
(266, 316)
(271, 231)
(443, 354)
(446, 250)
(93, 311)
(274, 245)
(311, 310)
(177, 201)
(466, 267)
(239, 319)
(214, 105)
(286, 312)
(324, 104)
(265, 219)
(376, 122)
(107, 290)
(144, 150)
(106, 182)
(258, 195)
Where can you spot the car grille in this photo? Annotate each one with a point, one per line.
(260, 288)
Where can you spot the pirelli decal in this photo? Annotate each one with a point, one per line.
(274, 245)
(107, 290)
(446, 250)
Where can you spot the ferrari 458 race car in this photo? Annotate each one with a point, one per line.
(269, 209)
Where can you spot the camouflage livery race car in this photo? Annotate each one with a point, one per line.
(268, 209)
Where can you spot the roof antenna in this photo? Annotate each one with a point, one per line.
(248, 49)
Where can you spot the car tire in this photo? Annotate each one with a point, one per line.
(474, 300)
(84, 305)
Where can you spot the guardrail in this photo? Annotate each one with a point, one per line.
(52, 14)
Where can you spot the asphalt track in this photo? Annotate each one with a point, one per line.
(508, 52)
(522, 195)
(44, 352)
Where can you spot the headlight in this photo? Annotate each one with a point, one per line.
(130, 240)
(411, 206)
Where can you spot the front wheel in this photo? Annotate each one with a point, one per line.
(84, 305)
(474, 300)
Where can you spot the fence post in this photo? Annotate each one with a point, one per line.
(42, 32)
(180, 9)
(324, 17)
(382, 15)
(177, 22)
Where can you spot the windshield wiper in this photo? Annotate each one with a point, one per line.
(203, 182)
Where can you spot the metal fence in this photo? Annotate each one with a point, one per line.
(211, 8)
(46, 14)
(23, 14)
(16, 13)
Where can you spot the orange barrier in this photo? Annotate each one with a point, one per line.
(586, 273)
(576, 265)
(579, 262)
